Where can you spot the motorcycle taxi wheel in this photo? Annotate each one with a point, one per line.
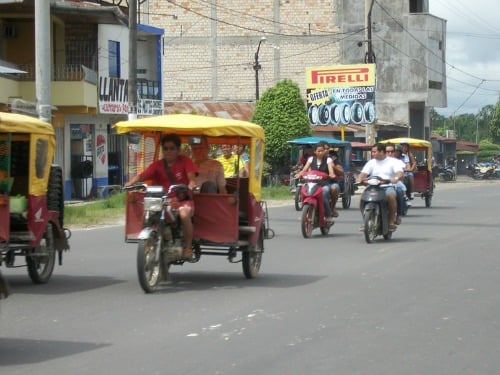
(148, 266)
(428, 200)
(252, 257)
(307, 220)
(41, 260)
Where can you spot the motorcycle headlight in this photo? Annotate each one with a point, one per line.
(153, 204)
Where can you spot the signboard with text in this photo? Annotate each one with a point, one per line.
(113, 99)
(341, 95)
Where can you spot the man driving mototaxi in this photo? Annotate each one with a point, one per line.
(388, 169)
(174, 169)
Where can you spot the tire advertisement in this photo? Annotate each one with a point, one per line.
(341, 95)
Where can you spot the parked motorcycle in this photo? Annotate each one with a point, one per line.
(484, 171)
(313, 212)
(444, 173)
(160, 239)
(375, 210)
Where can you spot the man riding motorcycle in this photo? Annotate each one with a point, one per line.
(174, 169)
(388, 169)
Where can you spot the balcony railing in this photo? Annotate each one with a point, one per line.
(67, 72)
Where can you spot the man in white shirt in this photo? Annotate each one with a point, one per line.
(388, 169)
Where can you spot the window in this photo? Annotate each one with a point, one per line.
(114, 58)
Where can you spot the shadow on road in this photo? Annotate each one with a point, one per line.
(59, 284)
(14, 351)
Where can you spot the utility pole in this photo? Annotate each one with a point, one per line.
(132, 59)
(369, 59)
(42, 60)
(257, 67)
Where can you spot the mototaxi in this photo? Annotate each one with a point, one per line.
(344, 153)
(233, 224)
(31, 196)
(423, 176)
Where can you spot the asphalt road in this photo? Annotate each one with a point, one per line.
(426, 302)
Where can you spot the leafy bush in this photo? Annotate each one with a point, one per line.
(283, 115)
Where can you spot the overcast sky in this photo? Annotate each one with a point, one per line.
(472, 53)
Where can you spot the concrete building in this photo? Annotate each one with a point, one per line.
(214, 51)
(88, 70)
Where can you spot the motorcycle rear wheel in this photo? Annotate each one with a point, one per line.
(307, 220)
(370, 221)
(148, 266)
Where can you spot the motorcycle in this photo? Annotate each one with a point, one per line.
(484, 171)
(444, 173)
(313, 212)
(160, 239)
(375, 210)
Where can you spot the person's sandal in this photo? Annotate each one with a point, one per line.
(392, 227)
(187, 253)
(398, 220)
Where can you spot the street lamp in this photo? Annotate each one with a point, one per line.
(256, 67)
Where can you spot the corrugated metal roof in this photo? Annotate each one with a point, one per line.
(232, 110)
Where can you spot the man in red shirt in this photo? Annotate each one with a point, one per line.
(171, 170)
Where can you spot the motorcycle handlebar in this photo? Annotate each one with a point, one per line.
(140, 186)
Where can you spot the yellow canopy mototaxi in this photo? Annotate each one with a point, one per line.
(423, 177)
(224, 224)
(31, 196)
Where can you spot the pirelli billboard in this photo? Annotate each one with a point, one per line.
(341, 95)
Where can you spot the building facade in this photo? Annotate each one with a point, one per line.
(214, 50)
(88, 71)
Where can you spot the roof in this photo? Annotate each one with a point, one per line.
(231, 110)
(314, 140)
(467, 146)
(81, 11)
(337, 129)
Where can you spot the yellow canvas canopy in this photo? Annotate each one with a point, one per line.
(41, 138)
(217, 130)
(16, 123)
(183, 124)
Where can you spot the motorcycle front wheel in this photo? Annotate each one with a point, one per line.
(370, 225)
(148, 266)
(307, 220)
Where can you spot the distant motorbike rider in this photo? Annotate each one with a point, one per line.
(388, 169)
(411, 167)
(321, 162)
(395, 151)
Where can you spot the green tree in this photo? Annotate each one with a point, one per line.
(494, 124)
(283, 115)
(438, 122)
(487, 151)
